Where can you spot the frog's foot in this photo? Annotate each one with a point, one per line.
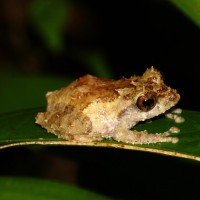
(142, 137)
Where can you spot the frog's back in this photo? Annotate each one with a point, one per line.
(65, 117)
(85, 90)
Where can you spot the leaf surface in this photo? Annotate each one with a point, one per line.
(19, 128)
(31, 189)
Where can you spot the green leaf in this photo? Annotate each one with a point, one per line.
(21, 91)
(31, 189)
(19, 128)
(49, 18)
(191, 8)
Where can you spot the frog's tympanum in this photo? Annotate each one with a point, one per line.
(93, 109)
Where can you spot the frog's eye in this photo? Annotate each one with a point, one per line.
(146, 102)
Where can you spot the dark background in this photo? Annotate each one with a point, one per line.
(131, 36)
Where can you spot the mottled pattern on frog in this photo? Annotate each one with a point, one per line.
(92, 108)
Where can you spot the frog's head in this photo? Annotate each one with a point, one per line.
(153, 96)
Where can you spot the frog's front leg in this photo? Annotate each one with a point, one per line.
(143, 137)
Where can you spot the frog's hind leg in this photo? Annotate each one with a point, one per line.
(142, 137)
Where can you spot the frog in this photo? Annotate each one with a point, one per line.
(94, 109)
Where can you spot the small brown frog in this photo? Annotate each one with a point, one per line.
(93, 109)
